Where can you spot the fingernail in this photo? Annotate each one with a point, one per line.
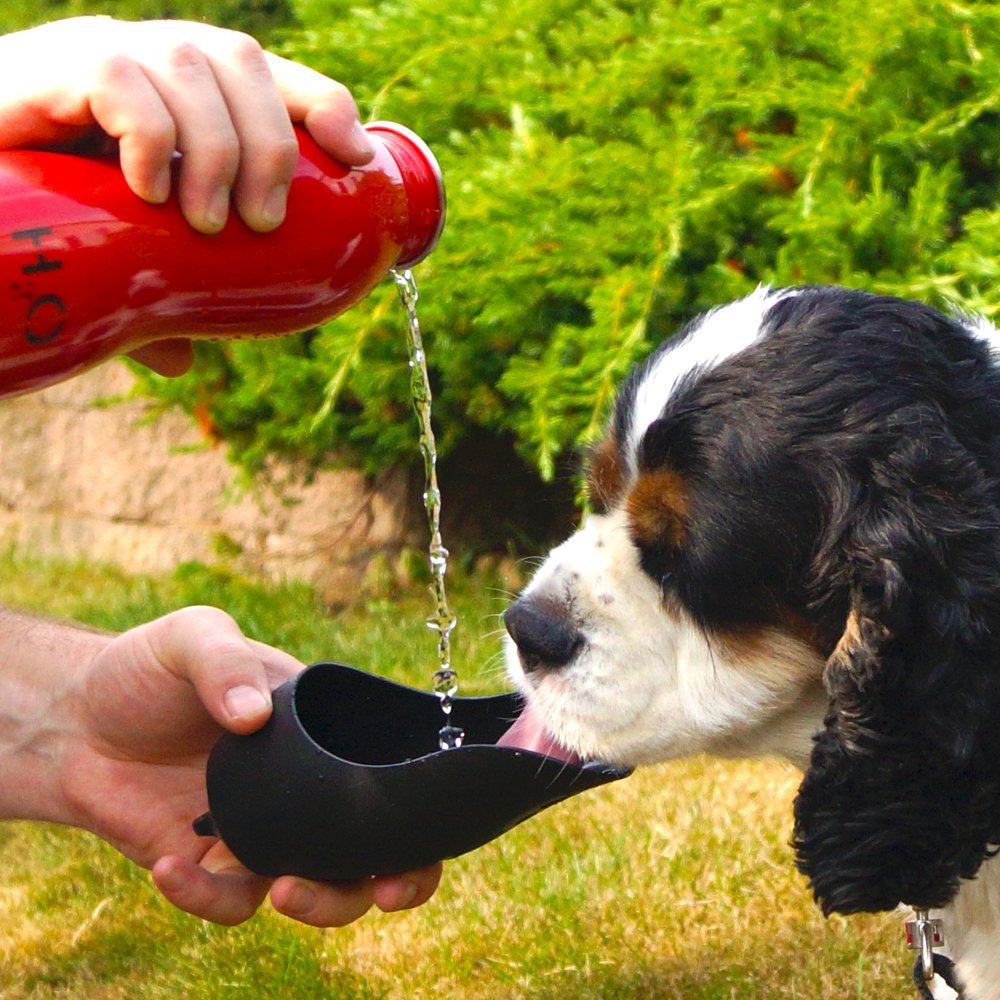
(275, 204)
(217, 211)
(408, 895)
(362, 141)
(301, 900)
(160, 190)
(245, 702)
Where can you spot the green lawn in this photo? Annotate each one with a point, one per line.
(675, 883)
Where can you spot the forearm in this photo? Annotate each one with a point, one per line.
(42, 666)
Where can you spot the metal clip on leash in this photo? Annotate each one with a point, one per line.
(924, 935)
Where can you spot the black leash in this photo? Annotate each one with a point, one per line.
(943, 967)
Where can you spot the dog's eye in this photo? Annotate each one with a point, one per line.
(658, 564)
(597, 501)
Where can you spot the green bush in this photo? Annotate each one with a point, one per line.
(614, 166)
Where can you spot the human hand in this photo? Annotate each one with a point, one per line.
(160, 87)
(150, 706)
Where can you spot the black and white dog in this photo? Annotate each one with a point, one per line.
(796, 550)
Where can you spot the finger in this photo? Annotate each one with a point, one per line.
(225, 897)
(206, 647)
(321, 904)
(326, 108)
(126, 105)
(166, 357)
(403, 892)
(268, 147)
(206, 137)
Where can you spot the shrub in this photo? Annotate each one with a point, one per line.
(614, 166)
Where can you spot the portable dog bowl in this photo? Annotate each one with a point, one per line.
(342, 782)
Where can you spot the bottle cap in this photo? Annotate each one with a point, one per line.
(424, 189)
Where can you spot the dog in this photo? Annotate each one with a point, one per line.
(794, 549)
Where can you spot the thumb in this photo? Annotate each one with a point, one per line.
(205, 646)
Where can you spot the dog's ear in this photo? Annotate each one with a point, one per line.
(902, 797)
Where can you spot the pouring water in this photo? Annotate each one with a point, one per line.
(442, 621)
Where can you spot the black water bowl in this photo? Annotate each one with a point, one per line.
(344, 781)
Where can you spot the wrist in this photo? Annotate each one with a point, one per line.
(42, 677)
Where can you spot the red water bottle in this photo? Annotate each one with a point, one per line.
(88, 269)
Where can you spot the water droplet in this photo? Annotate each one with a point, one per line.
(450, 737)
(445, 681)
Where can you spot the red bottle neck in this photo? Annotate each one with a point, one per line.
(424, 189)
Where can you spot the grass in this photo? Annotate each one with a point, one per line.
(675, 883)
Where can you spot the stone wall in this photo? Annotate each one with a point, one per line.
(82, 480)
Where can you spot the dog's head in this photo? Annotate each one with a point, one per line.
(796, 549)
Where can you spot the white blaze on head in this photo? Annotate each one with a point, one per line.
(649, 682)
(982, 329)
(721, 334)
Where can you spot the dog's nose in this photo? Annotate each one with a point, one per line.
(543, 638)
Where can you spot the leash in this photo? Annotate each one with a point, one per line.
(943, 967)
(924, 935)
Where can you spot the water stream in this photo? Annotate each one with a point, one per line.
(442, 621)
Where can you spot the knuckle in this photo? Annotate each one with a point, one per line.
(338, 92)
(278, 158)
(218, 157)
(115, 68)
(215, 632)
(199, 613)
(245, 48)
(157, 134)
(185, 56)
(338, 97)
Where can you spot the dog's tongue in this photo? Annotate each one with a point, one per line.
(528, 733)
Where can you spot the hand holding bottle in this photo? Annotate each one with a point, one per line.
(98, 256)
(165, 87)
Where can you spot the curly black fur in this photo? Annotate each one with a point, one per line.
(902, 797)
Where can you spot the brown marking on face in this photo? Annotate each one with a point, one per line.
(801, 628)
(774, 655)
(657, 509)
(606, 474)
